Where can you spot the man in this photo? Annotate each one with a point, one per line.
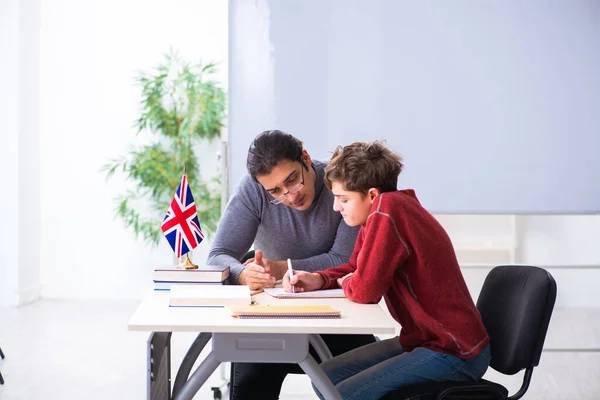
(285, 210)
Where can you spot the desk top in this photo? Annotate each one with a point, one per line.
(154, 314)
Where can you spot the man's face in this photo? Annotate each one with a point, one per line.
(353, 206)
(286, 177)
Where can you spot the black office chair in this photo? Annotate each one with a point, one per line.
(516, 303)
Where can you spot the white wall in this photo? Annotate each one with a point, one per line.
(9, 131)
(29, 234)
(90, 54)
(560, 240)
(20, 200)
(568, 242)
(567, 245)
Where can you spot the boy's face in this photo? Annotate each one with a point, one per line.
(353, 206)
(287, 177)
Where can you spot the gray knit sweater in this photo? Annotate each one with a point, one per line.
(315, 239)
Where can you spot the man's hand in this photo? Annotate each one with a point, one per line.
(343, 278)
(276, 268)
(257, 273)
(303, 281)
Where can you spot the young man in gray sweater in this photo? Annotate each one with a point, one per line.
(285, 210)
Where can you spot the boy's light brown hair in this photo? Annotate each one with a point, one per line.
(363, 165)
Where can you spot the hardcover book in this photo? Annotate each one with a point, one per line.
(205, 273)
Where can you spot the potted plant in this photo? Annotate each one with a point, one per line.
(182, 107)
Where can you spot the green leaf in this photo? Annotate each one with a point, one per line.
(182, 108)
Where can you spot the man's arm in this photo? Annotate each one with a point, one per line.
(237, 229)
(339, 253)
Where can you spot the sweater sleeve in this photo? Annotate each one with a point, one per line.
(383, 251)
(331, 275)
(237, 230)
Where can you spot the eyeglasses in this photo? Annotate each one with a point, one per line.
(294, 189)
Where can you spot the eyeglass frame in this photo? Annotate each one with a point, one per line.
(294, 190)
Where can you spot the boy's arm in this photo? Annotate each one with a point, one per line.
(383, 251)
(331, 275)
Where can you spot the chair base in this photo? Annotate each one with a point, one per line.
(480, 390)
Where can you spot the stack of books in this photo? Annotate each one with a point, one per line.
(204, 275)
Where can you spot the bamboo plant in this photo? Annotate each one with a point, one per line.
(182, 107)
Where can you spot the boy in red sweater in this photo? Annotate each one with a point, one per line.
(404, 255)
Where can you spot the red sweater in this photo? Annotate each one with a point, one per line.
(403, 254)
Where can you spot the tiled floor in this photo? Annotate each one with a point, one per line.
(82, 350)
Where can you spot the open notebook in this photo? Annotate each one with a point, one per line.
(267, 311)
(279, 293)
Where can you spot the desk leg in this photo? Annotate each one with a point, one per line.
(319, 378)
(198, 378)
(277, 348)
(188, 361)
(320, 347)
(260, 347)
(159, 366)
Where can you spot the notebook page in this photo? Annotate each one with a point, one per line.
(279, 293)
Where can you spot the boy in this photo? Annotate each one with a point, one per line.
(403, 254)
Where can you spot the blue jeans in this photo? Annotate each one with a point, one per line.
(371, 371)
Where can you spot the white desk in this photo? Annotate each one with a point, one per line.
(256, 340)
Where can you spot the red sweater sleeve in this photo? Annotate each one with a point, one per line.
(331, 275)
(382, 251)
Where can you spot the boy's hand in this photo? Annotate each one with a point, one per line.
(257, 273)
(343, 278)
(303, 281)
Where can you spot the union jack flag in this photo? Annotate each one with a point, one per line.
(180, 225)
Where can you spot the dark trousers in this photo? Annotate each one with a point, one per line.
(252, 381)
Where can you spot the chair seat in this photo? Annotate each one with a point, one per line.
(480, 390)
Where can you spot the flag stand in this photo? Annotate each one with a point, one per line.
(187, 264)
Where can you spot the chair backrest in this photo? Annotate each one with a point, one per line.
(516, 303)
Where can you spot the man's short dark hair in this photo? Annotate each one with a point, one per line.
(269, 148)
